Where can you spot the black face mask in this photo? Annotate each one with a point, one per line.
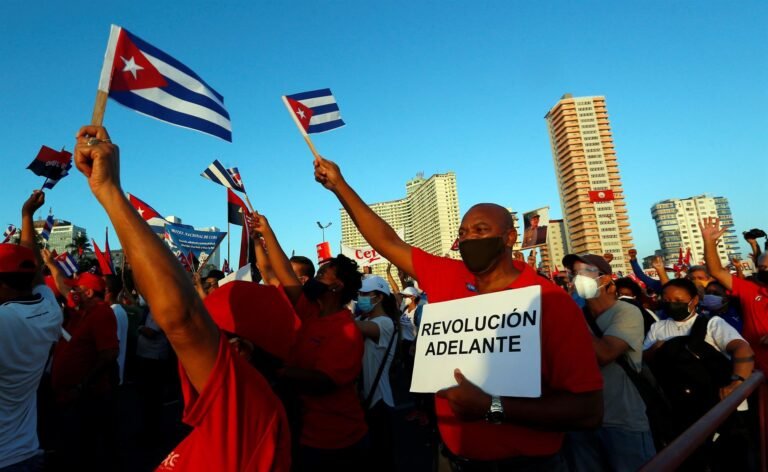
(678, 311)
(762, 276)
(314, 289)
(480, 254)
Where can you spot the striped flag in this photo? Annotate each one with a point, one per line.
(67, 264)
(47, 227)
(150, 215)
(144, 78)
(229, 178)
(315, 111)
(8, 233)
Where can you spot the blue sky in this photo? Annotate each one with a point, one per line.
(426, 86)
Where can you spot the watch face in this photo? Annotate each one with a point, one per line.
(495, 417)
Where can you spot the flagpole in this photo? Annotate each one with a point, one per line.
(229, 257)
(301, 129)
(99, 108)
(46, 181)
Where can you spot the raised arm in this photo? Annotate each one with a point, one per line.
(279, 262)
(393, 285)
(711, 232)
(661, 270)
(649, 282)
(375, 230)
(56, 273)
(28, 237)
(262, 261)
(176, 307)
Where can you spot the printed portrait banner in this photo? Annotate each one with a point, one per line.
(495, 339)
(200, 243)
(535, 225)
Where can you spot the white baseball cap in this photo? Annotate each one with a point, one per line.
(410, 291)
(375, 283)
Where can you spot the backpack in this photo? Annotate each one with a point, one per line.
(657, 407)
(691, 372)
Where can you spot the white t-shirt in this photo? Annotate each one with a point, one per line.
(157, 347)
(372, 358)
(408, 325)
(28, 329)
(719, 335)
(122, 336)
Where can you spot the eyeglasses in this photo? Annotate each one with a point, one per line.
(590, 272)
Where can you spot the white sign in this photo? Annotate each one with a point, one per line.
(494, 339)
(367, 256)
(244, 274)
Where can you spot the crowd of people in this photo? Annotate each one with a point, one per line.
(300, 371)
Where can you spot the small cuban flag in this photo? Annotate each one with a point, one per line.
(67, 264)
(47, 228)
(144, 78)
(315, 111)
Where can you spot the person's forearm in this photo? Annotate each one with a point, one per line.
(715, 268)
(262, 262)
(28, 239)
(58, 278)
(279, 262)
(559, 411)
(743, 360)
(156, 272)
(374, 229)
(649, 282)
(663, 277)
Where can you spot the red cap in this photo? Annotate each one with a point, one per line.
(88, 280)
(259, 313)
(16, 258)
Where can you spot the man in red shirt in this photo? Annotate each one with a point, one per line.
(84, 373)
(753, 296)
(484, 432)
(238, 421)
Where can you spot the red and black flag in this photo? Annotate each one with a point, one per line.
(51, 164)
(236, 209)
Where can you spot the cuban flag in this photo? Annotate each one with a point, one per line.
(47, 227)
(152, 217)
(8, 233)
(229, 178)
(67, 264)
(315, 111)
(144, 78)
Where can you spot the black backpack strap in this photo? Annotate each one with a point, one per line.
(592, 322)
(367, 402)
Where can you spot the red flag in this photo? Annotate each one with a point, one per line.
(687, 260)
(104, 263)
(235, 209)
(107, 251)
(131, 70)
(601, 196)
(302, 112)
(323, 252)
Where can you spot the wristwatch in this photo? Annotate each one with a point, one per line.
(495, 414)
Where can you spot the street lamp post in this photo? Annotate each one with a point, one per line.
(323, 228)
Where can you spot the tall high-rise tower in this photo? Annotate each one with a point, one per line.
(585, 161)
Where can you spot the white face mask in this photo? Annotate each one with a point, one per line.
(586, 287)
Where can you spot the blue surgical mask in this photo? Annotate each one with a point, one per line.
(365, 303)
(712, 302)
(578, 299)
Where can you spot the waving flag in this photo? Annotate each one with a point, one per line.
(152, 217)
(144, 78)
(8, 233)
(316, 111)
(229, 178)
(47, 227)
(236, 209)
(67, 264)
(51, 164)
(104, 258)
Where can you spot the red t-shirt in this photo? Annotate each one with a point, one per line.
(754, 309)
(92, 331)
(334, 346)
(239, 423)
(568, 361)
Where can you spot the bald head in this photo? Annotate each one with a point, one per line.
(497, 214)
